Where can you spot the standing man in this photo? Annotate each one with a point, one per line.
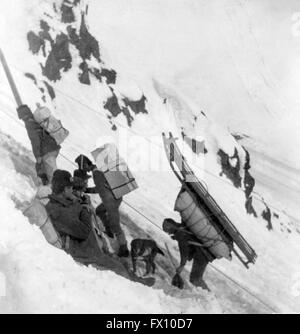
(190, 249)
(108, 210)
(44, 147)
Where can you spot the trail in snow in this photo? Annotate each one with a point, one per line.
(142, 43)
(233, 300)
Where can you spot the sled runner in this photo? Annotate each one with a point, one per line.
(222, 232)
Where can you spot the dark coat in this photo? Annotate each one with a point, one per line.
(187, 248)
(41, 141)
(69, 218)
(73, 219)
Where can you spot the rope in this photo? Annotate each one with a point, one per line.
(151, 221)
(98, 113)
(245, 289)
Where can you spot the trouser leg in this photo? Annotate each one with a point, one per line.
(49, 164)
(113, 216)
(200, 263)
(101, 212)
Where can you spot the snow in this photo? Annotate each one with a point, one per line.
(162, 51)
(40, 278)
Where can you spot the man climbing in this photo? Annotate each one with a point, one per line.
(72, 220)
(190, 249)
(44, 147)
(108, 210)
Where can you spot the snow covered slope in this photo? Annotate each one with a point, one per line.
(127, 71)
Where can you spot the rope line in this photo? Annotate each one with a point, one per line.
(157, 226)
(97, 112)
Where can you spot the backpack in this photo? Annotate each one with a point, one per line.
(38, 216)
(119, 178)
(200, 225)
(49, 123)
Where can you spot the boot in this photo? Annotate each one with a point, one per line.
(201, 284)
(109, 232)
(123, 251)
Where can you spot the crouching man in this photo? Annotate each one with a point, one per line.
(190, 249)
(72, 220)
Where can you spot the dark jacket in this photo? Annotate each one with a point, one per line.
(73, 219)
(41, 141)
(69, 218)
(187, 246)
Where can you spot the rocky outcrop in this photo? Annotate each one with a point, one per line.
(58, 58)
(42, 86)
(249, 181)
(231, 167)
(267, 215)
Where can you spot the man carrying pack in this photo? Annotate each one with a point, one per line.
(108, 210)
(72, 220)
(44, 147)
(190, 249)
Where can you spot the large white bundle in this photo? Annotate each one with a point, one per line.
(115, 169)
(38, 216)
(200, 225)
(53, 126)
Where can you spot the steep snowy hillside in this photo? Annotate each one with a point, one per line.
(126, 72)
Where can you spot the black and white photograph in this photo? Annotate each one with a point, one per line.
(149, 159)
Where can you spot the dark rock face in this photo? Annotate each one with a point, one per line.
(85, 43)
(231, 167)
(110, 75)
(266, 215)
(50, 90)
(35, 42)
(67, 14)
(59, 59)
(138, 106)
(40, 85)
(84, 76)
(249, 184)
(112, 105)
(249, 207)
(249, 181)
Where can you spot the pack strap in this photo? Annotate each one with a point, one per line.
(45, 124)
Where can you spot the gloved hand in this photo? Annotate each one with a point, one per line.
(86, 200)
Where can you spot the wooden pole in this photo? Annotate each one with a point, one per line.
(10, 80)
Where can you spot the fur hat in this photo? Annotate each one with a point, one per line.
(60, 180)
(82, 160)
(24, 112)
(170, 225)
